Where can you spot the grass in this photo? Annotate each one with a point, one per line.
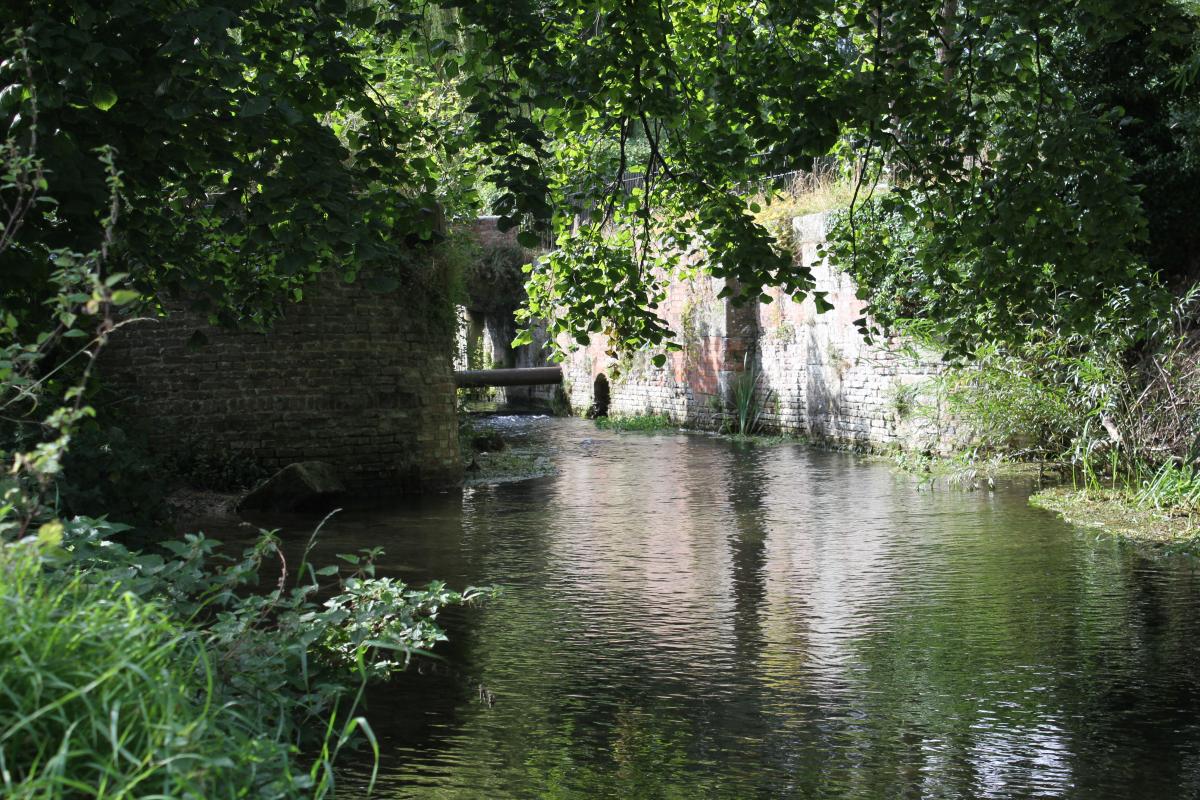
(1120, 513)
(104, 694)
(1151, 506)
(1172, 487)
(638, 422)
(168, 674)
(804, 194)
(746, 403)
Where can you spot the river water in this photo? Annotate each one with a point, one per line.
(685, 616)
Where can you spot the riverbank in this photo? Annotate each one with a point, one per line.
(1117, 514)
(1128, 513)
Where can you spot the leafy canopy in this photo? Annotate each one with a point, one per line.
(261, 144)
(973, 113)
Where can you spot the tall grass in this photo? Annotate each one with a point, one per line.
(747, 400)
(803, 193)
(1172, 486)
(131, 674)
(106, 695)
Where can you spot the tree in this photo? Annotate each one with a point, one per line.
(261, 144)
(256, 142)
(1011, 169)
(1058, 205)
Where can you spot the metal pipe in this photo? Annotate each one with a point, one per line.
(528, 376)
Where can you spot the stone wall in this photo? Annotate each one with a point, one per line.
(817, 376)
(348, 376)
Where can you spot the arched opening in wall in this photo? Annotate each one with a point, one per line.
(600, 397)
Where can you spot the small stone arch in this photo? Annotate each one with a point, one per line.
(600, 396)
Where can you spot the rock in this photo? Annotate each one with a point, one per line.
(303, 486)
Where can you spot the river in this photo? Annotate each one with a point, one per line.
(686, 616)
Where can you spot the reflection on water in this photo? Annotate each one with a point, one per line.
(687, 617)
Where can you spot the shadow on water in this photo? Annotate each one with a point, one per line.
(686, 616)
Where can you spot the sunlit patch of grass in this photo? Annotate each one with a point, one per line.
(803, 194)
(1121, 514)
(1172, 487)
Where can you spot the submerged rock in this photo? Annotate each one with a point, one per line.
(303, 486)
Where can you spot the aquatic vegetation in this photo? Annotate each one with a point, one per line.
(1114, 512)
(645, 423)
(748, 401)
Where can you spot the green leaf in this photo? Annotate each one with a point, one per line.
(255, 106)
(103, 96)
(50, 535)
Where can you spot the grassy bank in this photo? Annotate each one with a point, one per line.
(1119, 514)
(1159, 507)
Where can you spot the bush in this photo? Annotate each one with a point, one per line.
(168, 674)
(111, 469)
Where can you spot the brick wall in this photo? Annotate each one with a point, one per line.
(348, 376)
(818, 376)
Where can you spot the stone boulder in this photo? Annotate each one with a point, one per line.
(303, 486)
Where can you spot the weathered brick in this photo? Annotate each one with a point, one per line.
(343, 372)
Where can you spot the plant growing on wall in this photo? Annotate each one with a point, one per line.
(749, 398)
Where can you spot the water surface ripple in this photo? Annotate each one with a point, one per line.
(687, 617)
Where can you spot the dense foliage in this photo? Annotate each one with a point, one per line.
(1044, 151)
(258, 144)
(169, 672)
(177, 675)
(1039, 161)
(1068, 210)
(1017, 166)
